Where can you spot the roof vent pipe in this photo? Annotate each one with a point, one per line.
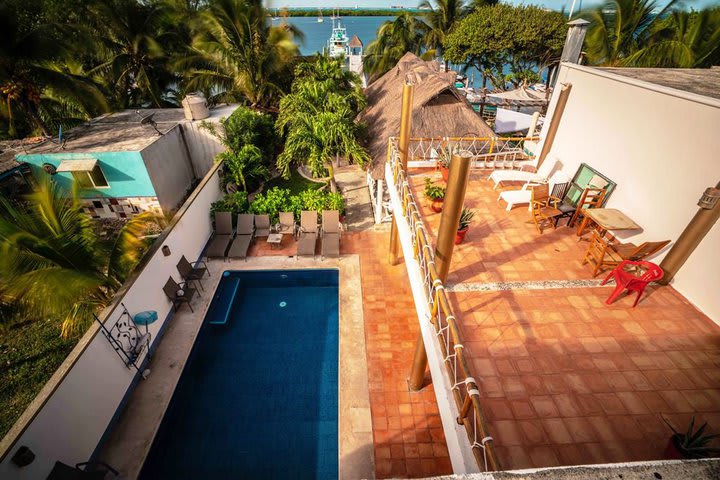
(195, 106)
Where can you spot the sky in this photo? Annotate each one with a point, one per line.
(554, 4)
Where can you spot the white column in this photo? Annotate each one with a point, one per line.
(379, 201)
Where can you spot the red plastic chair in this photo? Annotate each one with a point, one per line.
(625, 279)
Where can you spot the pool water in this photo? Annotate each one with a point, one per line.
(258, 397)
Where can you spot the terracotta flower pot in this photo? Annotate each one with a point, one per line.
(445, 172)
(460, 235)
(437, 205)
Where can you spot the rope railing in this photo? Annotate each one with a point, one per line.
(464, 387)
(487, 152)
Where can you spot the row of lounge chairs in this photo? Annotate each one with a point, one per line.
(235, 243)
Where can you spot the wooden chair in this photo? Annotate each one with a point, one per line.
(604, 254)
(543, 207)
(591, 197)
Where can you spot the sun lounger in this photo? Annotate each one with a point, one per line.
(330, 235)
(307, 236)
(522, 196)
(286, 225)
(541, 176)
(262, 225)
(241, 244)
(222, 237)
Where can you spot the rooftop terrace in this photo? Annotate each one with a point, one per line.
(565, 379)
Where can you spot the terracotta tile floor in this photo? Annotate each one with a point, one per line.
(566, 379)
(408, 435)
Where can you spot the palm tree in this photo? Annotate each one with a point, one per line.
(54, 264)
(34, 74)
(134, 50)
(682, 40)
(315, 139)
(620, 28)
(393, 40)
(244, 165)
(441, 20)
(237, 52)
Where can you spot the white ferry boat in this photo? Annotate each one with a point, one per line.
(337, 44)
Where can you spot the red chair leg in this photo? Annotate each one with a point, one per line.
(640, 291)
(619, 288)
(608, 277)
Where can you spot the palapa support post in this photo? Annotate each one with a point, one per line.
(403, 147)
(703, 221)
(452, 208)
(449, 222)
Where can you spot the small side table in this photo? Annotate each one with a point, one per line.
(146, 318)
(274, 239)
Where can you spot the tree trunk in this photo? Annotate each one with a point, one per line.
(331, 174)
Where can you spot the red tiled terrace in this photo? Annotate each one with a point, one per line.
(566, 379)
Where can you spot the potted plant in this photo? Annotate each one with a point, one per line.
(466, 217)
(444, 157)
(691, 444)
(435, 194)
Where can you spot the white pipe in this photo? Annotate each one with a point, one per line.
(572, 9)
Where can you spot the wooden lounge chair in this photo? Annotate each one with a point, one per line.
(262, 225)
(241, 244)
(603, 254)
(330, 235)
(543, 207)
(190, 272)
(522, 196)
(286, 225)
(222, 237)
(172, 288)
(307, 235)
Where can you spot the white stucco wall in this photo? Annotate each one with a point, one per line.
(662, 147)
(74, 417)
(203, 146)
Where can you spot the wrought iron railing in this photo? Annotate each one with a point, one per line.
(487, 152)
(464, 386)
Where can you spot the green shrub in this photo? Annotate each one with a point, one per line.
(247, 127)
(232, 202)
(271, 203)
(245, 167)
(278, 200)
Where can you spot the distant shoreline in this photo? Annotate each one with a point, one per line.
(346, 12)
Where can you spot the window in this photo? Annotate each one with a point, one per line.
(87, 173)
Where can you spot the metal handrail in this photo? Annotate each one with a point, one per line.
(464, 387)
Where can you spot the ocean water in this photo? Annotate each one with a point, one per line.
(317, 34)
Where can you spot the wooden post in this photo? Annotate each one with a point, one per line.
(403, 146)
(690, 238)
(452, 208)
(449, 221)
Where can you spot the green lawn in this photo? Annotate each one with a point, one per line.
(29, 355)
(296, 183)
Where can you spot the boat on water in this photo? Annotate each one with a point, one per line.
(320, 18)
(335, 16)
(337, 44)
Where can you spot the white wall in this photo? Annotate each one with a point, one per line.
(74, 417)
(203, 146)
(661, 146)
(170, 168)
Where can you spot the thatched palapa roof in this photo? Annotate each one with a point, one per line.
(439, 109)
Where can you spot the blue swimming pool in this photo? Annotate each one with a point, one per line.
(258, 397)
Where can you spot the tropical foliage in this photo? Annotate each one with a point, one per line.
(318, 119)
(55, 265)
(637, 33)
(525, 38)
(63, 62)
(277, 200)
(394, 38)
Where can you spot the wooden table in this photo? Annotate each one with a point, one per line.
(607, 219)
(274, 239)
